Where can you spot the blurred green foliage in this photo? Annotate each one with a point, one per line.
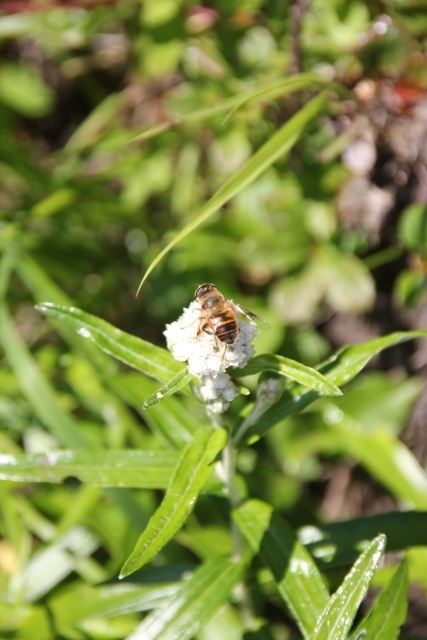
(118, 122)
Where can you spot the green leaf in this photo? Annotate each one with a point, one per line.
(143, 469)
(190, 476)
(178, 382)
(183, 615)
(290, 368)
(271, 90)
(51, 565)
(35, 387)
(297, 577)
(338, 544)
(279, 144)
(389, 611)
(169, 420)
(139, 354)
(22, 89)
(339, 369)
(383, 455)
(413, 227)
(338, 616)
(83, 602)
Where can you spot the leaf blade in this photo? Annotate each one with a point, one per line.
(35, 387)
(292, 369)
(341, 609)
(175, 384)
(185, 614)
(190, 476)
(271, 151)
(339, 369)
(138, 354)
(114, 468)
(298, 580)
(387, 615)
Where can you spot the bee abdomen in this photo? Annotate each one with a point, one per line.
(227, 332)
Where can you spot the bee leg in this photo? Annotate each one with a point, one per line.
(224, 351)
(205, 328)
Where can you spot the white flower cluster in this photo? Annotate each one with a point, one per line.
(207, 357)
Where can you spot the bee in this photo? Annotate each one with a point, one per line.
(218, 315)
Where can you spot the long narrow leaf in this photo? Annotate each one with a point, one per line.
(337, 544)
(279, 144)
(339, 369)
(385, 457)
(37, 390)
(295, 572)
(42, 287)
(187, 612)
(190, 476)
(178, 382)
(291, 369)
(143, 469)
(139, 354)
(84, 602)
(268, 90)
(389, 611)
(338, 616)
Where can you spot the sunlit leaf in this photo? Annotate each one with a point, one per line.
(389, 611)
(339, 613)
(183, 615)
(139, 354)
(83, 602)
(291, 369)
(52, 564)
(190, 476)
(295, 572)
(144, 469)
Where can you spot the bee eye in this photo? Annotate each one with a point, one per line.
(204, 288)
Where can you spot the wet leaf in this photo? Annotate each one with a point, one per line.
(193, 470)
(338, 616)
(387, 615)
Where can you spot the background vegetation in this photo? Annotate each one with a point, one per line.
(118, 122)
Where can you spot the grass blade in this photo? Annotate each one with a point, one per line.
(297, 577)
(269, 90)
(183, 615)
(272, 150)
(139, 354)
(190, 476)
(338, 616)
(291, 369)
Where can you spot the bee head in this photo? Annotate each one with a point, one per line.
(203, 289)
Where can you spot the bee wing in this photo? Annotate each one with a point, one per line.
(252, 317)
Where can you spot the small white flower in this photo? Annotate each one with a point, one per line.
(207, 357)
